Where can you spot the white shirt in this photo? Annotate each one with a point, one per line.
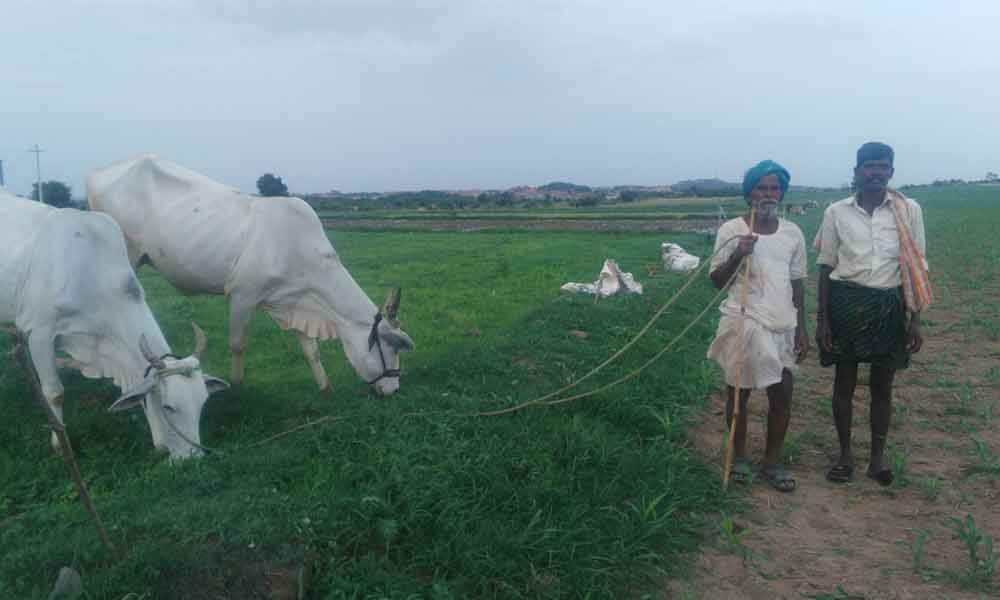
(777, 260)
(863, 248)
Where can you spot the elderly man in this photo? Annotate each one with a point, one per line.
(872, 286)
(766, 337)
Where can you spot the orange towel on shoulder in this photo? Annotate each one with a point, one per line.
(917, 292)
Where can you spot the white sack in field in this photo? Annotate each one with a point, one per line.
(677, 259)
(610, 281)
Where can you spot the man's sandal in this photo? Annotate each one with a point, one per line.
(840, 473)
(779, 477)
(883, 477)
(741, 472)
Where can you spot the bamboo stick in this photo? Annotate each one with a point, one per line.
(727, 468)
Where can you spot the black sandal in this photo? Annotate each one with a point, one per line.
(741, 472)
(840, 473)
(883, 477)
(779, 478)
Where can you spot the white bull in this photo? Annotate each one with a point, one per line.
(266, 253)
(66, 283)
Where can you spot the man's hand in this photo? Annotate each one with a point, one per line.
(745, 245)
(801, 344)
(914, 338)
(824, 339)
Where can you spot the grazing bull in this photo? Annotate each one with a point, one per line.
(266, 253)
(67, 285)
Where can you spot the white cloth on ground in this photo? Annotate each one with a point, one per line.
(677, 259)
(610, 281)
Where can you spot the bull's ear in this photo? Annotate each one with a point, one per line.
(214, 384)
(398, 339)
(133, 397)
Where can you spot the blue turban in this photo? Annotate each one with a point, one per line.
(763, 168)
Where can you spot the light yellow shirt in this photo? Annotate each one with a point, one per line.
(863, 248)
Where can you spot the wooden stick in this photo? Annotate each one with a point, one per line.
(739, 363)
(60, 430)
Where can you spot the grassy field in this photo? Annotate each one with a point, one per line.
(403, 497)
(409, 497)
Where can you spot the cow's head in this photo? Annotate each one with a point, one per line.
(386, 341)
(172, 395)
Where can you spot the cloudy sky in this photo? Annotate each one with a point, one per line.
(369, 95)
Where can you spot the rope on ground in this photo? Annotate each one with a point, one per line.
(691, 278)
(294, 429)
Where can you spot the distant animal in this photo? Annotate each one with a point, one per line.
(797, 209)
(677, 259)
(262, 253)
(67, 285)
(812, 204)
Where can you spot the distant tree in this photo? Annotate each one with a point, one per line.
(582, 201)
(269, 185)
(54, 193)
(992, 177)
(628, 195)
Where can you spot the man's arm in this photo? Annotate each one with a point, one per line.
(723, 274)
(801, 332)
(823, 338)
(915, 336)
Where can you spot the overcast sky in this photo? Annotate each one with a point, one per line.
(372, 95)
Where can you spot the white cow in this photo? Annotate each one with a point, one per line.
(66, 283)
(266, 253)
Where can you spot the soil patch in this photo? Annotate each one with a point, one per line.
(861, 540)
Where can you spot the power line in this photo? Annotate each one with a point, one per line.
(38, 170)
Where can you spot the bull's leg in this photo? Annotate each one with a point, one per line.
(310, 348)
(239, 322)
(43, 358)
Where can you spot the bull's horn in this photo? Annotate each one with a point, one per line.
(199, 341)
(148, 354)
(391, 308)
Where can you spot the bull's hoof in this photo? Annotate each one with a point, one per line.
(327, 392)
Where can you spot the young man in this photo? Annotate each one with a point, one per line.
(767, 335)
(872, 286)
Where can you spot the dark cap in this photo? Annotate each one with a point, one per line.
(875, 151)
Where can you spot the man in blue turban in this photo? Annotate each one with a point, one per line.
(762, 169)
(760, 342)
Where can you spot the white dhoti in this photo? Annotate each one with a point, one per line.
(765, 307)
(765, 353)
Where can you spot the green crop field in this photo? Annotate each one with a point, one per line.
(411, 496)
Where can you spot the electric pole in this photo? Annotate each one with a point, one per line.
(1, 173)
(38, 170)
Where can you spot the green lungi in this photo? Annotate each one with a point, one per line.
(868, 325)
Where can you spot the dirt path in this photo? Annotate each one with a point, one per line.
(862, 541)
